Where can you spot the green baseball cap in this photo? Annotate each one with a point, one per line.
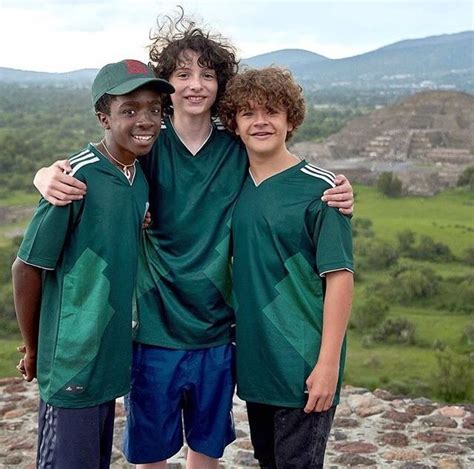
(124, 77)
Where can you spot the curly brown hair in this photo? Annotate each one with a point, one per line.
(273, 87)
(173, 36)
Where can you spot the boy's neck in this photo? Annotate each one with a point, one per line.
(193, 130)
(263, 166)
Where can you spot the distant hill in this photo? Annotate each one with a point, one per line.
(83, 77)
(445, 60)
(436, 62)
(289, 58)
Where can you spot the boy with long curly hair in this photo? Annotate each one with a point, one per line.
(293, 277)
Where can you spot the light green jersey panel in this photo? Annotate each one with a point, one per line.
(90, 251)
(280, 229)
(184, 284)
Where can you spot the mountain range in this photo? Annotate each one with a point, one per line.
(444, 61)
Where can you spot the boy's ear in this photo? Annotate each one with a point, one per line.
(103, 120)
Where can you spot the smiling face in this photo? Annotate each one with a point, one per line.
(263, 129)
(133, 124)
(195, 86)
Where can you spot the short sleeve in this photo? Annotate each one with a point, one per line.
(47, 232)
(333, 241)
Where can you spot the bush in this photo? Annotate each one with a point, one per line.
(468, 335)
(429, 250)
(362, 227)
(389, 184)
(370, 313)
(416, 284)
(453, 380)
(406, 240)
(467, 178)
(398, 331)
(469, 256)
(457, 294)
(376, 254)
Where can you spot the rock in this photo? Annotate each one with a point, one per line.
(448, 463)
(439, 421)
(445, 448)
(420, 409)
(452, 411)
(240, 433)
(384, 395)
(339, 436)
(244, 444)
(345, 422)
(25, 444)
(15, 387)
(393, 426)
(13, 460)
(355, 447)
(415, 465)
(7, 408)
(468, 423)
(394, 439)
(405, 454)
(174, 465)
(350, 460)
(368, 411)
(343, 410)
(245, 459)
(431, 437)
(401, 417)
(14, 414)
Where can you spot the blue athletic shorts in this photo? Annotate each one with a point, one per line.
(171, 387)
(75, 438)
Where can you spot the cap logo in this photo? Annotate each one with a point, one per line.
(136, 67)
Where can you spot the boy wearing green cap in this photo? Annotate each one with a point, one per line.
(75, 274)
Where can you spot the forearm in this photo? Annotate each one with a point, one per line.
(337, 308)
(27, 284)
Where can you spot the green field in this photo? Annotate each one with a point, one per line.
(447, 218)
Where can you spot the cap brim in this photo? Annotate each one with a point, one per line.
(131, 85)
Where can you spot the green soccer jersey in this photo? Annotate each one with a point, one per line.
(184, 282)
(285, 239)
(89, 250)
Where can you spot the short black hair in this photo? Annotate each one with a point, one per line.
(103, 104)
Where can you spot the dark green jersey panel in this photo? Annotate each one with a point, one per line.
(184, 283)
(90, 252)
(284, 239)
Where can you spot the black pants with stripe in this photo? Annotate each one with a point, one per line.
(75, 438)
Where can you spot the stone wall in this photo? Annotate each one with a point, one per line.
(375, 430)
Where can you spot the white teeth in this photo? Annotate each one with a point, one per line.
(195, 98)
(143, 138)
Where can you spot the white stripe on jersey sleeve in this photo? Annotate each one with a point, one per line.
(330, 173)
(322, 176)
(83, 163)
(82, 158)
(323, 274)
(79, 155)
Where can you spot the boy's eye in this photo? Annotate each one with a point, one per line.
(247, 113)
(128, 112)
(182, 75)
(156, 110)
(209, 76)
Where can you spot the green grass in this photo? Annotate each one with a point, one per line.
(16, 198)
(447, 217)
(9, 357)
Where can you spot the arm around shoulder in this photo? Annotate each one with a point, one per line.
(56, 186)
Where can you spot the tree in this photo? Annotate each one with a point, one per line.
(467, 178)
(389, 184)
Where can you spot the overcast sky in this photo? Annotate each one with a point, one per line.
(65, 35)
